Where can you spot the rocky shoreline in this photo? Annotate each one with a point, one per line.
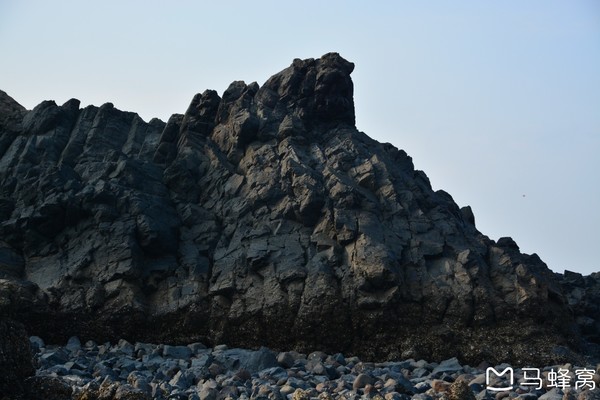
(262, 217)
(147, 371)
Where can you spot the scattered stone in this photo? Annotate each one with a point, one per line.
(300, 394)
(181, 352)
(393, 396)
(260, 360)
(440, 386)
(197, 348)
(589, 394)
(459, 390)
(450, 365)
(325, 396)
(317, 355)
(125, 347)
(55, 356)
(361, 381)
(36, 343)
(208, 393)
(216, 369)
(219, 374)
(73, 344)
(286, 359)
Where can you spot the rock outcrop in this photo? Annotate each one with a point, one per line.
(262, 217)
(15, 359)
(583, 296)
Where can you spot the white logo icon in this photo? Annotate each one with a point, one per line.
(508, 371)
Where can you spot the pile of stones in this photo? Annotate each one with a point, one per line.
(126, 371)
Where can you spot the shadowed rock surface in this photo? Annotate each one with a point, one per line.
(15, 358)
(262, 217)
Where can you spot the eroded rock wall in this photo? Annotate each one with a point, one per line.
(262, 217)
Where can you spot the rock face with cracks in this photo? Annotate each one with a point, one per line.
(262, 217)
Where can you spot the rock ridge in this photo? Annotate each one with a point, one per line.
(260, 217)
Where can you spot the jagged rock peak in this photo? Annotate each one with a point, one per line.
(306, 99)
(307, 93)
(10, 112)
(8, 105)
(315, 91)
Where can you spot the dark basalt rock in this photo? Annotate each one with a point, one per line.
(47, 388)
(260, 218)
(583, 297)
(15, 358)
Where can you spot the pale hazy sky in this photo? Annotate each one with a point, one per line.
(497, 101)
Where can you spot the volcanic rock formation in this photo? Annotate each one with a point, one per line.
(15, 358)
(262, 217)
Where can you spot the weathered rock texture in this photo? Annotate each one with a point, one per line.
(15, 359)
(262, 217)
(583, 296)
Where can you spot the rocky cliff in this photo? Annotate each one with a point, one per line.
(262, 217)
